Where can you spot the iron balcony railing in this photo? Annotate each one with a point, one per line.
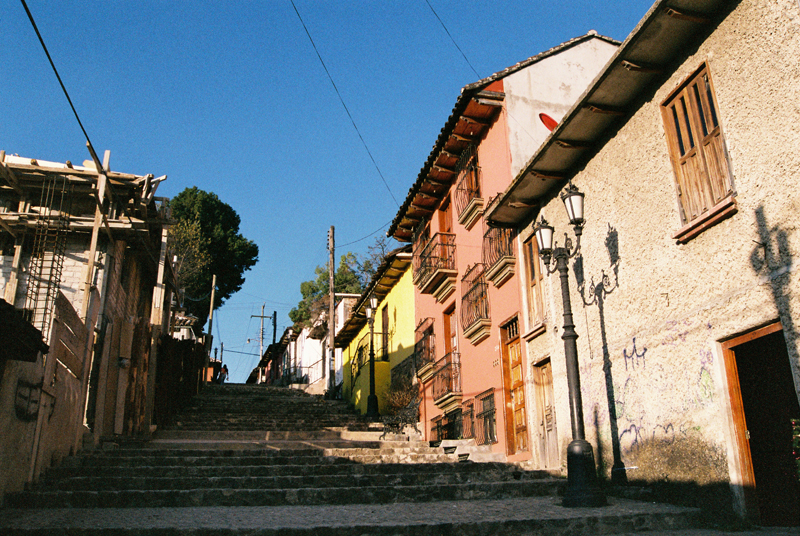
(475, 298)
(361, 357)
(438, 254)
(468, 188)
(424, 346)
(447, 378)
(497, 244)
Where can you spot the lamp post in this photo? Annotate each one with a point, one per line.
(582, 485)
(372, 399)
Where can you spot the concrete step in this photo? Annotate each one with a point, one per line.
(527, 516)
(235, 479)
(292, 496)
(342, 469)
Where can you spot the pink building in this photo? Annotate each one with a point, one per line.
(475, 303)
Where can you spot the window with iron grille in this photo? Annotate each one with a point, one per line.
(475, 298)
(436, 428)
(468, 418)
(468, 186)
(424, 347)
(697, 150)
(451, 425)
(485, 420)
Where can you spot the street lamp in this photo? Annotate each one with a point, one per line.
(372, 399)
(582, 485)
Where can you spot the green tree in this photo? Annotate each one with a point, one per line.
(346, 280)
(205, 237)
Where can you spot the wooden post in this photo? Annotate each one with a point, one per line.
(157, 314)
(210, 324)
(331, 317)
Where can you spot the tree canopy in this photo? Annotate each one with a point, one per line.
(351, 277)
(205, 237)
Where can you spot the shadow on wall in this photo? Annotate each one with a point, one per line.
(685, 471)
(596, 295)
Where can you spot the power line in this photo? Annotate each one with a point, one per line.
(63, 88)
(451, 38)
(346, 109)
(365, 237)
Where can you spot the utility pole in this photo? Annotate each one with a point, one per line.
(274, 317)
(331, 317)
(210, 323)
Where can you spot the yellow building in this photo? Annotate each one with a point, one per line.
(393, 333)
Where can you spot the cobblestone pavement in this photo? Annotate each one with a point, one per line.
(417, 517)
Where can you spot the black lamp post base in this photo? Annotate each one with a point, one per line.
(582, 485)
(372, 408)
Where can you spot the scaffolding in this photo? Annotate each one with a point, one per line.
(47, 258)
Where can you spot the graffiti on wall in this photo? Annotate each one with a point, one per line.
(636, 357)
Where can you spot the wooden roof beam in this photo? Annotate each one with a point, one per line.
(474, 121)
(607, 110)
(462, 138)
(690, 16)
(8, 175)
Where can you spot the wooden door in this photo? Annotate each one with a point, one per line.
(514, 384)
(764, 400)
(545, 414)
(450, 331)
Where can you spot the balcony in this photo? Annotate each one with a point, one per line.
(467, 199)
(475, 305)
(498, 255)
(424, 349)
(447, 382)
(361, 358)
(435, 266)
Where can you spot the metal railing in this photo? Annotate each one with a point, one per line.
(424, 347)
(497, 244)
(486, 419)
(447, 426)
(447, 378)
(469, 183)
(475, 298)
(438, 254)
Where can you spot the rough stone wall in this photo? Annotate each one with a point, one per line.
(650, 351)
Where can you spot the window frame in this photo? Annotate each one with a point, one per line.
(534, 279)
(698, 154)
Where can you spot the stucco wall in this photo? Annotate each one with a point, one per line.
(550, 86)
(400, 301)
(652, 352)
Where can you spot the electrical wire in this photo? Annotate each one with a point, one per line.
(451, 39)
(346, 109)
(379, 229)
(53, 65)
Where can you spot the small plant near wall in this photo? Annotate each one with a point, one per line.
(402, 392)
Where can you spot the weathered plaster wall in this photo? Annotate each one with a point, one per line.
(551, 86)
(650, 354)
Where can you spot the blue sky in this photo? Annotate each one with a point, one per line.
(231, 97)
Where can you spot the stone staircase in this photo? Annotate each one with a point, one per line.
(267, 461)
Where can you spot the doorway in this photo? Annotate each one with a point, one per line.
(514, 388)
(545, 414)
(763, 403)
